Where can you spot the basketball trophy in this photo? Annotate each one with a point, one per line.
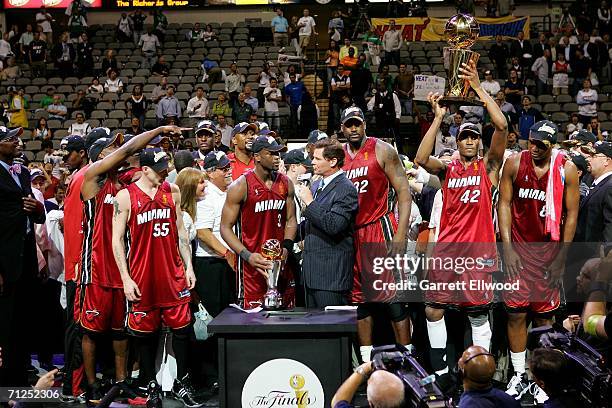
(272, 251)
(461, 32)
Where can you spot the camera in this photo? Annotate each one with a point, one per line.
(420, 390)
(592, 380)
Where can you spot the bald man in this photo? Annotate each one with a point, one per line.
(478, 366)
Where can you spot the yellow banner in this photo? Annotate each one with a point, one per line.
(432, 29)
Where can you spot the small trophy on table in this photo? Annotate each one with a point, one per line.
(461, 32)
(273, 251)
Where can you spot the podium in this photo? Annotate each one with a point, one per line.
(295, 358)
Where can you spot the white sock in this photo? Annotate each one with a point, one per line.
(436, 331)
(518, 361)
(481, 335)
(409, 347)
(366, 352)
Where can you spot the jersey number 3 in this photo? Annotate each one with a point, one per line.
(470, 196)
(161, 229)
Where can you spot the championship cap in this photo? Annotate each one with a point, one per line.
(36, 173)
(352, 113)
(580, 162)
(584, 136)
(316, 135)
(296, 156)
(155, 158)
(74, 144)
(95, 134)
(206, 126)
(266, 143)
(544, 131)
(242, 127)
(468, 127)
(6, 133)
(216, 160)
(103, 143)
(604, 148)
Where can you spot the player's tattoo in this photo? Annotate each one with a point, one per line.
(116, 207)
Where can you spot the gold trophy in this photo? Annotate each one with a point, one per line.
(297, 382)
(272, 250)
(461, 32)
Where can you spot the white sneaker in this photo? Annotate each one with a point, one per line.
(539, 396)
(517, 386)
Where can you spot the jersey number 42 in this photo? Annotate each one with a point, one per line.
(470, 196)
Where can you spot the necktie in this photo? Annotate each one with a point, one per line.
(15, 169)
(318, 191)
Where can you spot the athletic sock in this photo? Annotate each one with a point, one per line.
(436, 331)
(481, 335)
(365, 352)
(518, 361)
(147, 347)
(180, 344)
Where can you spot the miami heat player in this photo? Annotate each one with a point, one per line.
(157, 274)
(373, 166)
(260, 205)
(466, 219)
(530, 254)
(100, 304)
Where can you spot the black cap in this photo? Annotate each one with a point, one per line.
(316, 135)
(242, 127)
(6, 133)
(95, 134)
(296, 156)
(580, 162)
(103, 143)
(128, 137)
(216, 160)
(584, 136)
(468, 127)
(604, 148)
(266, 143)
(206, 126)
(74, 144)
(352, 113)
(154, 158)
(545, 131)
(157, 140)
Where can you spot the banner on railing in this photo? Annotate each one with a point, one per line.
(432, 29)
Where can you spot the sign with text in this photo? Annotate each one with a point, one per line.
(424, 84)
(150, 3)
(34, 4)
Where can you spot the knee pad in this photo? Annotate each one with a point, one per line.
(364, 311)
(477, 320)
(397, 311)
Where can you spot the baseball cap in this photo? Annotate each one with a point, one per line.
(352, 113)
(74, 143)
(206, 126)
(604, 148)
(262, 125)
(488, 72)
(95, 134)
(580, 162)
(36, 173)
(155, 158)
(6, 133)
(242, 127)
(266, 143)
(545, 131)
(216, 160)
(157, 140)
(316, 135)
(468, 127)
(296, 156)
(103, 143)
(446, 152)
(584, 136)
(267, 132)
(127, 138)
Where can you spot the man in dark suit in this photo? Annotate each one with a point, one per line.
(328, 257)
(540, 46)
(19, 211)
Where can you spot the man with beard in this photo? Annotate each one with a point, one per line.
(242, 139)
(375, 169)
(205, 137)
(260, 205)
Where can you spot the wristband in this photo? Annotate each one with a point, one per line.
(288, 245)
(245, 254)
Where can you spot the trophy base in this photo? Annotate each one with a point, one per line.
(272, 300)
(460, 101)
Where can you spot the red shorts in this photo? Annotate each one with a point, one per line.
(370, 242)
(534, 294)
(150, 321)
(463, 294)
(99, 309)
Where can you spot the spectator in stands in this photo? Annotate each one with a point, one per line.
(332, 59)
(540, 71)
(80, 127)
(512, 142)
(362, 81)
(233, 84)
(137, 104)
(349, 62)
(160, 23)
(250, 99)
(264, 81)
(581, 69)
(340, 85)
(498, 53)
(5, 48)
(13, 36)
(520, 47)
(50, 154)
(603, 18)
(242, 110)
(11, 71)
(195, 34)
(541, 46)
(135, 126)
(308, 115)
(455, 125)
(24, 42)
(489, 84)
(307, 28)
(85, 60)
(95, 89)
(505, 106)
(594, 128)
(272, 97)
(392, 42)
(528, 116)
(291, 69)
(37, 55)
(221, 106)
(424, 121)
(335, 27)
(294, 32)
(344, 50)
(44, 20)
(514, 89)
(77, 19)
(383, 75)
(208, 34)
(280, 28)
(294, 93)
(64, 56)
(125, 26)
(48, 98)
(17, 110)
(516, 65)
(57, 110)
(138, 19)
(42, 131)
(149, 43)
(113, 83)
(160, 90)
(225, 129)
(168, 107)
(81, 102)
(444, 139)
(560, 69)
(212, 71)
(197, 107)
(218, 144)
(587, 102)
(574, 125)
(109, 63)
(161, 67)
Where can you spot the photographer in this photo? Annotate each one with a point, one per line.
(384, 388)
(549, 369)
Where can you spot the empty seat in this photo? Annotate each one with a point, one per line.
(552, 107)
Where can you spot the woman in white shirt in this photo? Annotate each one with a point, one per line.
(192, 184)
(113, 83)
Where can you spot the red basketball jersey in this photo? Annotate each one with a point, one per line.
(262, 217)
(73, 224)
(98, 262)
(370, 180)
(153, 255)
(467, 214)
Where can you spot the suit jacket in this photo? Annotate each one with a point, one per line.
(328, 257)
(538, 51)
(517, 51)
(58, 50)
(595, 215)
(17, 248)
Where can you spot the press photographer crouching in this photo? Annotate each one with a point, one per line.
(550, 372)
